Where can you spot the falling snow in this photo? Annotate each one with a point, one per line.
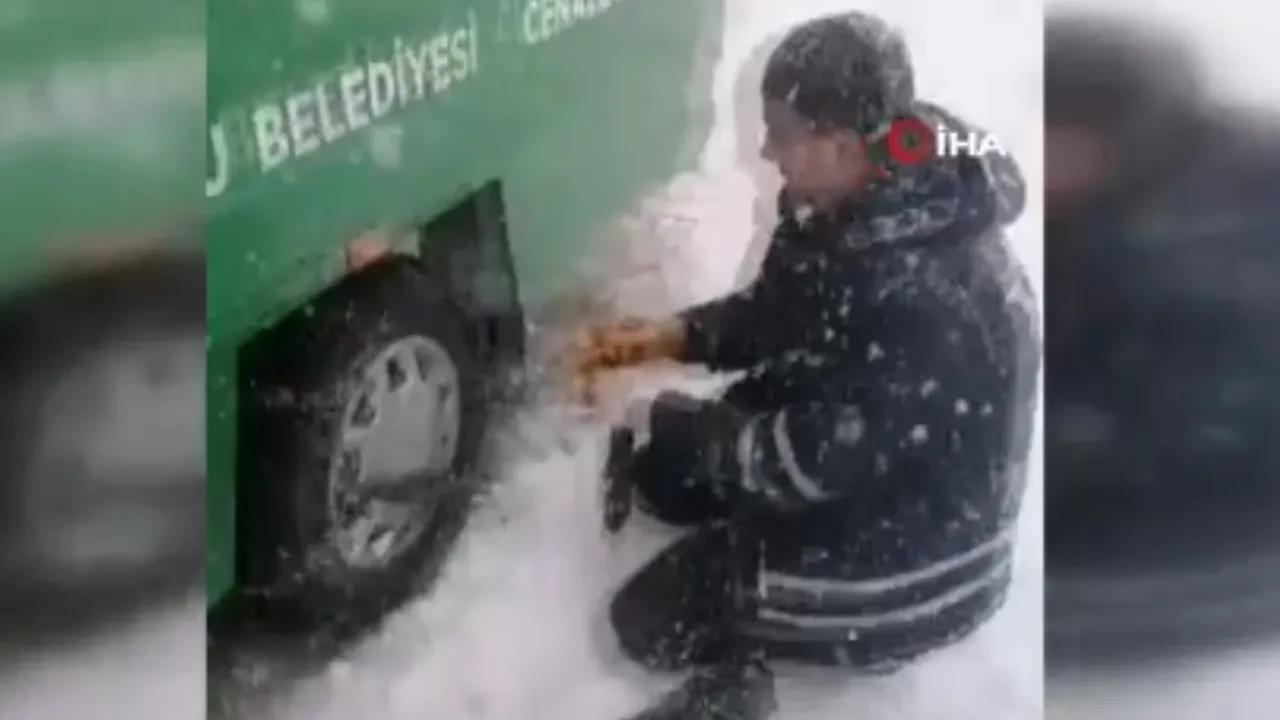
(480, 649)
(851, 427)
(920, 434)
(531, 578)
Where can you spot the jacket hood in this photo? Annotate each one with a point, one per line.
(958, 197)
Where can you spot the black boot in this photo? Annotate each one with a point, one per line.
(719, 692)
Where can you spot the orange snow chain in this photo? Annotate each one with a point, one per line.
(612, 350)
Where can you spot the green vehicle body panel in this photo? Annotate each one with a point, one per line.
(390, 112)
(100, 119)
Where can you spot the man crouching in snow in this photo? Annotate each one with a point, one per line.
(855, 493)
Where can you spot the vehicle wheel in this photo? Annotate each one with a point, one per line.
(359, 435)
(102, 443)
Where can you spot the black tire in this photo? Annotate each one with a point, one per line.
(301, 383)
(55, 340)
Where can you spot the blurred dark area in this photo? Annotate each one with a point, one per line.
(1162, 421)
(102, 439)
(101, 351)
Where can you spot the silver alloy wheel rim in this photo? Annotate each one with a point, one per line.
(399, 431)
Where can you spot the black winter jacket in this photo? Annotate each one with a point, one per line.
(876, 459)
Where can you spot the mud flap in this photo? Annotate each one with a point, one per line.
(618, 487)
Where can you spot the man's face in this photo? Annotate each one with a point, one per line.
(816, 166)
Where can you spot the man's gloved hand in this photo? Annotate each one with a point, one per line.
(686, 474)
(625, 343)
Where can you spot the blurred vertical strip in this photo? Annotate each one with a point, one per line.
(101, 358)
(1162, 169)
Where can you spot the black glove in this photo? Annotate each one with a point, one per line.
(687, 473)
(697, 436)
